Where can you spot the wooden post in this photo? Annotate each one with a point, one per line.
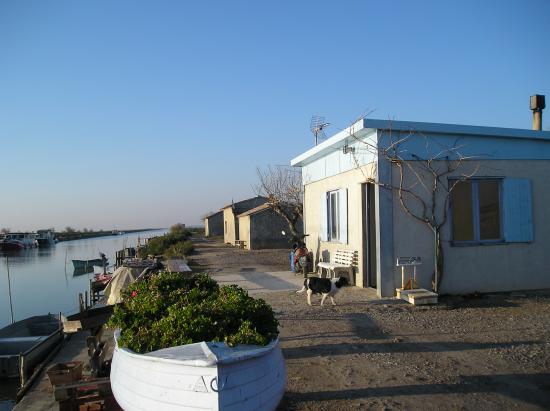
(22, 373)
(403, 277)
(81, 302)
(86, 299)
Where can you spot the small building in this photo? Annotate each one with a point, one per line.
(497, 224)
(261, 227)
(230, 220)
(213, 224)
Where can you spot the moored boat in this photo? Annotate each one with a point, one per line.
(45, 238)
(206, 375)
(18, 241)
(25, 343)
(83, 264)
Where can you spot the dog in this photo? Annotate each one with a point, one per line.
(324, 286)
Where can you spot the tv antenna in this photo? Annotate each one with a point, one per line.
(317, 127)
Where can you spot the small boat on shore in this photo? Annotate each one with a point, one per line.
(24, 344)
(205, 375)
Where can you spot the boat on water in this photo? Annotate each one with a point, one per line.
(18, 241)
(45, 238)
(206, 375)
(86, 264)
(24, 344)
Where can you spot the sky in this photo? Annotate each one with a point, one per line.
(133, 114)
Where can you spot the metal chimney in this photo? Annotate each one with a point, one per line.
(537, 105)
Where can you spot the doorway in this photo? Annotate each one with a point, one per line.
(369, 235)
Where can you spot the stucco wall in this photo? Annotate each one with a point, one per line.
(266, 231)
(229, 226)
(244, 230)
(350, 180)
(483, 268)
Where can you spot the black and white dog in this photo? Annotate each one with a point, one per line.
(325, 286)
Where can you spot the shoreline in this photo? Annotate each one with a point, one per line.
(80, 235)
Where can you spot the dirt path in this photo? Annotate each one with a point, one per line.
(485, 353)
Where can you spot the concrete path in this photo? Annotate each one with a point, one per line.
(261, 282)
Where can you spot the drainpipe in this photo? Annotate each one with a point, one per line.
(537, 105)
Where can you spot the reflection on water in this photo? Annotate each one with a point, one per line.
(8, 390)
(43, 280)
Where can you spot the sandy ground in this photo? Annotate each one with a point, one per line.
(490, 352)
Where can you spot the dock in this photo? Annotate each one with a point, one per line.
(40, 396)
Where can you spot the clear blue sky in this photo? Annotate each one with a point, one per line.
(133, 113)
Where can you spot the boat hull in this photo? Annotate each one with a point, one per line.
(29, 341)
(249, 380)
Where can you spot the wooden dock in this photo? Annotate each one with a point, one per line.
(40, 396)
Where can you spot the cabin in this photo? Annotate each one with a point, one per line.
(366, 187)
(261, 227)
(213, 224)
(230, 220)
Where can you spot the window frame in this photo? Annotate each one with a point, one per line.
(335, 194)
(475, 213)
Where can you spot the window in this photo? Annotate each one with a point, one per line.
(333, 216)
(476, 211)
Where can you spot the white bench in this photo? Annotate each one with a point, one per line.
(240, 244)
(341, 259)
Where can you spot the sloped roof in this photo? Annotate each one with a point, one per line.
(240, 207)
(255, 210)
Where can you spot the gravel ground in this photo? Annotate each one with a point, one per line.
(486, 352)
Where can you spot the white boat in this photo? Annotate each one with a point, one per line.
(18, 241)
(201, 376)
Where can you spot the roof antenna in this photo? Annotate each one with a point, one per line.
(317, 126)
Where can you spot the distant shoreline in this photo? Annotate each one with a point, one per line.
(92, 234)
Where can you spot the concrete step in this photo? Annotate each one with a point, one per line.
(418, 296)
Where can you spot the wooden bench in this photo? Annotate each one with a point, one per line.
(240, 244)
(341, 259)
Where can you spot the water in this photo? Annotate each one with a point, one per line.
(43, 280)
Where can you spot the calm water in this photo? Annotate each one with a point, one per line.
(43, 280)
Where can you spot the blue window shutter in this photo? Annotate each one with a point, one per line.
(518, 213)
(343, 215)
(323, 234)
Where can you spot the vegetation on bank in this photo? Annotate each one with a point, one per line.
(174, 244)
(72, 234)
(168, 310)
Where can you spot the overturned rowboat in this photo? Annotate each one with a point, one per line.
(206, 375)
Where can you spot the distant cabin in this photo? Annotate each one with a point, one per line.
(261, 227)
(230, 220)
(213, 224)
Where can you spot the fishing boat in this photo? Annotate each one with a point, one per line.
(25, 343)
(45, 238)
(83, 264)
(18, 241)
(206, 375)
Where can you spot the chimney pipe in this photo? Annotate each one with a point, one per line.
(537, 105)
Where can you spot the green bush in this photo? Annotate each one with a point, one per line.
(179, 249)
(161, 245)
(168, 310)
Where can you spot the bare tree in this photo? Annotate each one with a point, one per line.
(282, 186)
(5, 230)
(424, 183)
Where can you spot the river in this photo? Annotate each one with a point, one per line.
(43, 281)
